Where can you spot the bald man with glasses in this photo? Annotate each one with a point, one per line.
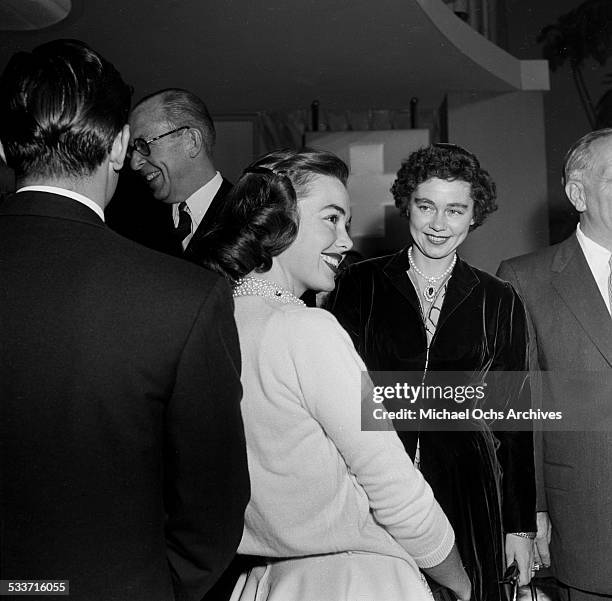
(171, 147)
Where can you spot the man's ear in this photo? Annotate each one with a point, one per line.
(574, 190)
(195, 142)
(119, 148)
(2, 155)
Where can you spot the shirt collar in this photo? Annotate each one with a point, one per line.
(199, 202)
(96, 208)
(592, 250)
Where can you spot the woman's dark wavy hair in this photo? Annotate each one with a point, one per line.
(259, 219)
(61, 107)
(449, 162)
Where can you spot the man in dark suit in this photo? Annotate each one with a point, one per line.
(566, 289)
(172, 142)
(123, 465)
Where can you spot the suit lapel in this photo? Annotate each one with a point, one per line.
(191, 252)
(574, 282)
(209, 217)
(172, 244)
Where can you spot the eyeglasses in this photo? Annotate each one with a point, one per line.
(142, 145)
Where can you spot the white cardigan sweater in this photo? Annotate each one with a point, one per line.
(318, 483)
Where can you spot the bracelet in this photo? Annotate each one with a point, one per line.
(530, 535)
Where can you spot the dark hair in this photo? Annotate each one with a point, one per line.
(61, 106)
(449, 162)
(182, 107)
(579, 156)
(259, 219)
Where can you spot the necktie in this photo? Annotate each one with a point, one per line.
(183, 229)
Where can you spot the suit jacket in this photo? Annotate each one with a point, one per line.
(481, 327)
(194, 249)
(135, 214)
(123, 453)
(572, 334)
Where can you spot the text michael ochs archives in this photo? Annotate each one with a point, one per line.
(496, 400)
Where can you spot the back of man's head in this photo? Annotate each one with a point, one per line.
(62, 106)
(181, 107)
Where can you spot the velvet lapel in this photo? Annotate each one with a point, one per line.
(574, 282)
(395, 269)
(461, 284)
(463, 281)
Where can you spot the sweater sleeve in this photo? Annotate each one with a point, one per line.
(329, 372)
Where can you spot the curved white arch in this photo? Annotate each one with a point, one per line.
(520, 74)
(29, 15)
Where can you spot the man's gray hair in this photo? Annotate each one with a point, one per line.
(579, 156)
(182, 107)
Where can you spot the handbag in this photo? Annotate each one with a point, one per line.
(510, 584)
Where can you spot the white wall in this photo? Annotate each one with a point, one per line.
(236, 145)
(506, 133)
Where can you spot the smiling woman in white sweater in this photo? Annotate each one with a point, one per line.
(337, 513)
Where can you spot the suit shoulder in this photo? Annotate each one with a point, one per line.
(154, 265)
(541, 258)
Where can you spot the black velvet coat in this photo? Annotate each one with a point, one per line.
(482, 327)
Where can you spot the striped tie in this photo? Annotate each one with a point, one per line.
(183, 229)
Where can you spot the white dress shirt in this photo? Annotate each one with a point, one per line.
(96, 208)
(197, 205)
(598, 259)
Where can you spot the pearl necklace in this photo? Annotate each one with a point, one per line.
(251, 286)
(430, 291)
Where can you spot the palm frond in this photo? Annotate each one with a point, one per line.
(584, 32)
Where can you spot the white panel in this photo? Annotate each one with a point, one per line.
(374, 158)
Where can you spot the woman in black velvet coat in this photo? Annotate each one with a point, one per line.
(423, 309)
